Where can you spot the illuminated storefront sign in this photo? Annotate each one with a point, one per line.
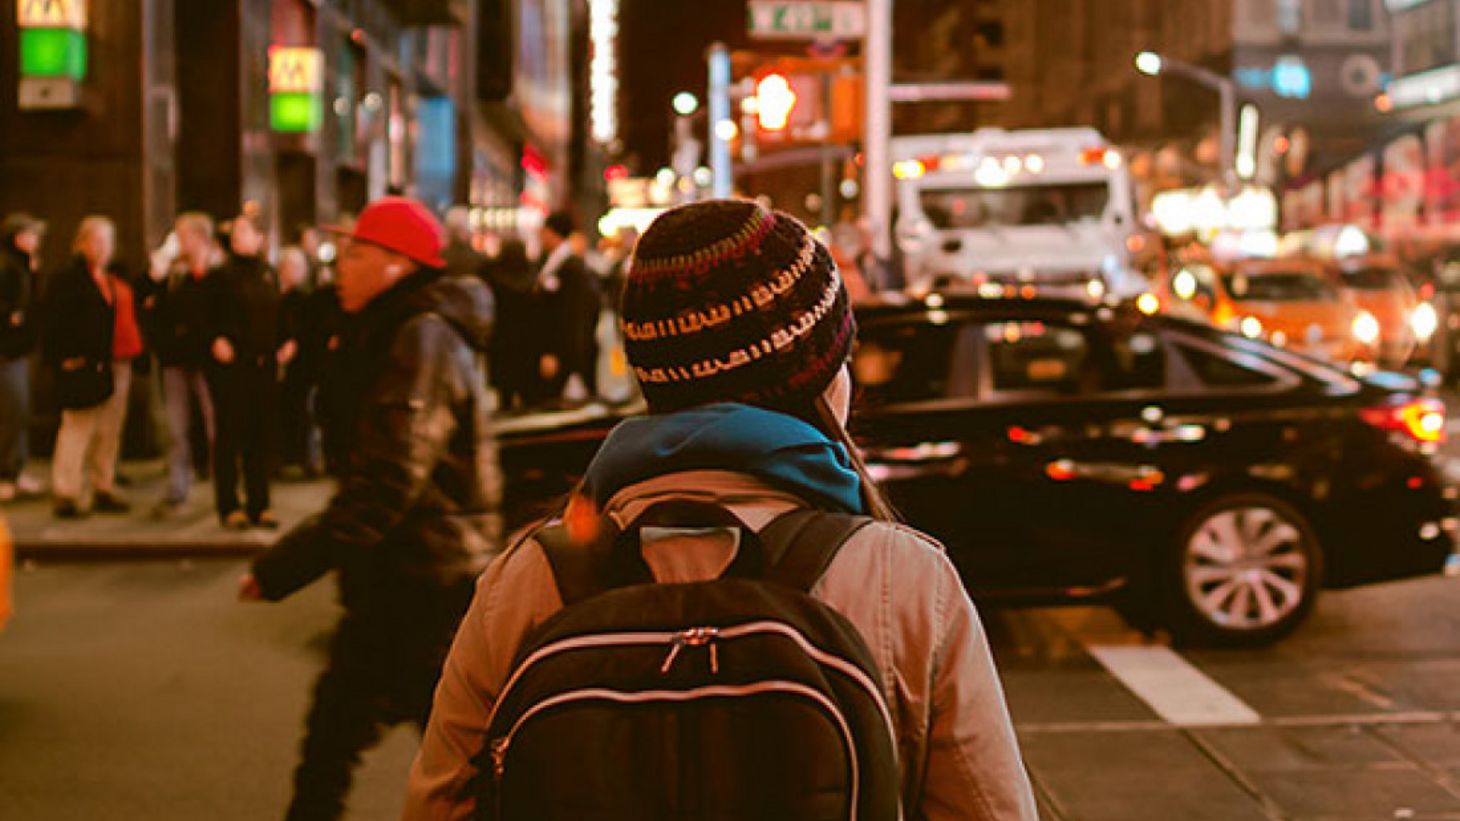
(52, 38)
(603, 71)
(1289, 77)
(296, 80)
(1426, 88)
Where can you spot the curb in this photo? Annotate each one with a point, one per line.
(135, 550)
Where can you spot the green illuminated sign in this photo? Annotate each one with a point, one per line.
(51, 52)
(295, 112)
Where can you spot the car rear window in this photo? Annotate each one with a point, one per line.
(1216, 371)
(903, 362)
(1060, 359)
(1278, 286)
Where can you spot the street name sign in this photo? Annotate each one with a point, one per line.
(806, 20)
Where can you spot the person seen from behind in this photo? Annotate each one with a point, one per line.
(747, 415)
(569, 294)
(247, 347)
(514, 353)
(20, 239)
(415, 517)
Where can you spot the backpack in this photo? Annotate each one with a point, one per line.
(740, 697)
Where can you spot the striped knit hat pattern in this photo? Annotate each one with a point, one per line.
(727, 301)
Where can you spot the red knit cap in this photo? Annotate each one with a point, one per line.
(729, 302)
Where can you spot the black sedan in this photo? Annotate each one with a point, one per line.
(1064, 451)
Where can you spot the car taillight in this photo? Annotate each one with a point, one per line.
(1422, 420)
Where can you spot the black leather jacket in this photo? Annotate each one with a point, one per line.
(417, 505)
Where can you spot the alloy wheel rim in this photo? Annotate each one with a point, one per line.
(1245, 568)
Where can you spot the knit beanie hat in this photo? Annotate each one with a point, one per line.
(729, 302)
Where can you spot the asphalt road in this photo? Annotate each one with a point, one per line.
(143, 691)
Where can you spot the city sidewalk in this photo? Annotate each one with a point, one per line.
(194, 531)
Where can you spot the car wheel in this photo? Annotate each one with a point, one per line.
(1245, 572)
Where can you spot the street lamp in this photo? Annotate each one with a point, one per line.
(1148, 63)
(1152, 64)
(686, 104)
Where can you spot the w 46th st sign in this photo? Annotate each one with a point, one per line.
(806, 19)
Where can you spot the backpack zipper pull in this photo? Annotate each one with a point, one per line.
(499, 756)
(674, 648)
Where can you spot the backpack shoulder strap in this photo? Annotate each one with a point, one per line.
(582, 571)
(800, 545)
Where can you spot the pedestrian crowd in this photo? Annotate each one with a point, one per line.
(233, 347)
(725, 618)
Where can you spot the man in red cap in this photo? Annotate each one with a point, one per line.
(415, 519)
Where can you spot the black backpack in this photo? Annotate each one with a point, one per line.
(739, 698)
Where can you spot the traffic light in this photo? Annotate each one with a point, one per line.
(776, 99)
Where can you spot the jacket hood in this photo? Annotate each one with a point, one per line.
(465, 302)
(779, 449)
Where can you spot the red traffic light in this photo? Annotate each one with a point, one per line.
(615, 172)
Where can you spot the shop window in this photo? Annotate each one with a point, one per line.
(1427, 37)
(345, 103)
(1290, 17)
(1361, 15)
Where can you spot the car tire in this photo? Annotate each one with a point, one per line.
(1244, 572)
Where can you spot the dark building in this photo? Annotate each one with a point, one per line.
(1309, 66)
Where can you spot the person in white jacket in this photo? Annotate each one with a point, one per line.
(738, 328)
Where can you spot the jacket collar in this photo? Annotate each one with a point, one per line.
(751, 500)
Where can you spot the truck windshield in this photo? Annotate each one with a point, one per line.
(953, 208)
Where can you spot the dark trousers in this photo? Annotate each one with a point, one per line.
(297, 439)
(245, 402)
(14, 415)
(382, 672)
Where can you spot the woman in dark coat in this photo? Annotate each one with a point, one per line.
(514, 351)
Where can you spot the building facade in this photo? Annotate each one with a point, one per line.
(298, 111)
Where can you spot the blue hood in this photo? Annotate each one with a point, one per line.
(779, 449)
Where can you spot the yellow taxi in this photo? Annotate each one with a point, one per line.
(1380, 287)
(1292, 303)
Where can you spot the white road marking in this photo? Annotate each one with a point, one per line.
(1172, 687)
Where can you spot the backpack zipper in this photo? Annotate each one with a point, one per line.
(670, 637)
(693, 637)
(500, 746)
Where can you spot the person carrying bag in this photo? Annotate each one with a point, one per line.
(727, 621)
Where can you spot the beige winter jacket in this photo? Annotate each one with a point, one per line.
(959, 756)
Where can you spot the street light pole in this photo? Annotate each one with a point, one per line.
(877, 170)
(719, 105)
(1152, 64)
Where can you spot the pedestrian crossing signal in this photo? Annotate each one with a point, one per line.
(776, 99)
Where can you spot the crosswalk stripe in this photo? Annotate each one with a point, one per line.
(1177, 691)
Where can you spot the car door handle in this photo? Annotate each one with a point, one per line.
(922, 452)
(942, 459)
(1180, 434)
(1136, 477)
